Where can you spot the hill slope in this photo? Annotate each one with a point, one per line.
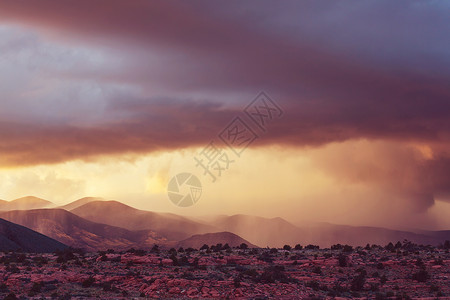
(171, 226)
(15, 237)
(198, 240)
(77, 232)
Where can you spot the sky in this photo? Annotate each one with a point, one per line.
(112, 98)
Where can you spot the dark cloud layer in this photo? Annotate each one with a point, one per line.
(371, 69)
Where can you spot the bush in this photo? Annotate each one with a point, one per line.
(389, 247)
(155, 249)
(237, 282)
(298, 247)
(174, 259)
(315, 285)
(421, 276)
(348, 248)
(343, 260)
(273, 274)
(312, 247)
(287, 248)
(447, 245)
(35, 289)
(336, 247)
(243, 246)
(184, 261)
(358, 282)
(266, 257)
(65, 256)
(11, 296)
(88, 282)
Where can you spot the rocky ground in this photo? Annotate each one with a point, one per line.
(398, 271)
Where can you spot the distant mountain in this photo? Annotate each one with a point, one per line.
(80, 202)
(29, 202)
(77, 232)
(276, 232)
(17, 237)
(198, 240)
(272, 232)
(442, 235)
(171, 226)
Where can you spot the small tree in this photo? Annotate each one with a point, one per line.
(421, 276)
(343, 260)
(298, 247)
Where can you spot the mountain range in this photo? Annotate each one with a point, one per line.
(97, 224)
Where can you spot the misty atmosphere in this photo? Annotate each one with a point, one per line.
(224, 149)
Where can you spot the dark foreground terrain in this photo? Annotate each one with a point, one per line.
(399, 271)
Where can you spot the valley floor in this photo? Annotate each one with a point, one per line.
(221, 272)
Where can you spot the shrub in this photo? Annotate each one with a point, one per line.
(421, 276)
(266, 257)
(447, 245)
(312, 247)
(343, 260)
(336, 247)
(183, 261)
(174, 259)
(389, 247)
(419, 262)
(237, 282)
(275, 273)
(88, 282)
(358, 282)
(11, 296)
(348, 248)
(315, 285)
(287, 248)
(35, 289)
(243, 246)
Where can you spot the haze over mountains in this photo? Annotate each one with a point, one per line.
(172, 226)
(96, 224)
